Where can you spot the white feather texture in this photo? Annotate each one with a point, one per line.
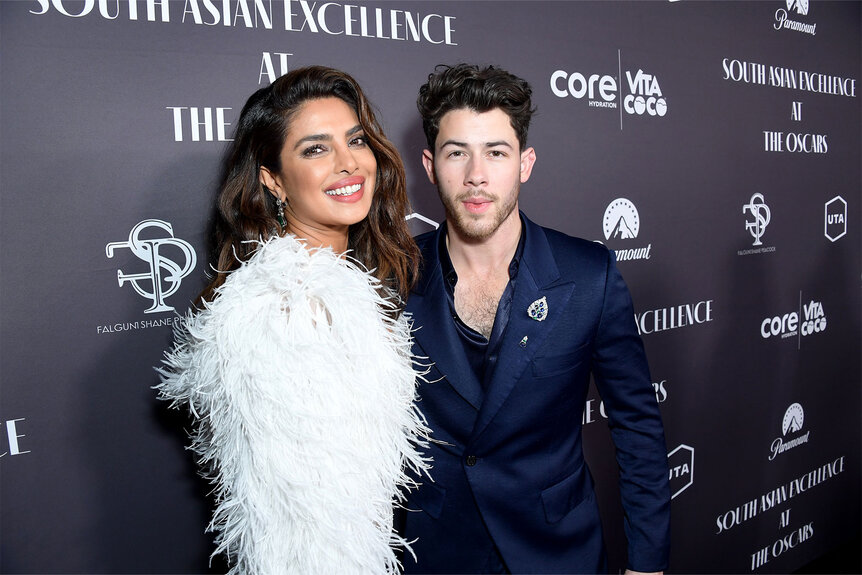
(302, 389)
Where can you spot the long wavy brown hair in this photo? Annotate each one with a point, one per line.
(247, 211)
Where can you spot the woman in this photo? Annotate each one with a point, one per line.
(297, 365)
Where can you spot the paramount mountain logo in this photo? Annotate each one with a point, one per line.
(792, 423)
(622, 222)
(783, 20)
(794, 417)
(798, 6)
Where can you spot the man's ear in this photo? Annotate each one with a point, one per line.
(528, 158)
(269, 181)
(428, 162)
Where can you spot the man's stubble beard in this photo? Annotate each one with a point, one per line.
(473, 228)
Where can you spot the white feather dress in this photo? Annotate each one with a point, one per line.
(302, 390)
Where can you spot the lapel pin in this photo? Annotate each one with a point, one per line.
(523, 342)
(538, 310)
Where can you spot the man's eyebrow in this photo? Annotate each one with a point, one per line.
(460, 144)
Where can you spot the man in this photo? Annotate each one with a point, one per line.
(513, 318)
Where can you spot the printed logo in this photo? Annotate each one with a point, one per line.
(781, 325)
(798, 6)
(645, 96)
(599, 90)
(622, 222)
(815, 319)
(760, 211)
(787, 325)
(784, 22)
(165, 274)
(681, 464)
(794, 417)
(792, 423)
(835, 219)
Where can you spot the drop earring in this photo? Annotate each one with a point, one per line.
(279, 212)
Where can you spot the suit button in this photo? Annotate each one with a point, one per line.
(470, 460)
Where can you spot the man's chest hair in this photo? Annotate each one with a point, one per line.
(476, 301)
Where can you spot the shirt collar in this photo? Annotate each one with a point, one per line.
(450, 276)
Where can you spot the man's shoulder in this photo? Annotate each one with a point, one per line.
(427, 244)
(568, 248)
(426, 239)
(560, 239)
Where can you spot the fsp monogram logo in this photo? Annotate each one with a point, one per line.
(761, 214)
(165, 274)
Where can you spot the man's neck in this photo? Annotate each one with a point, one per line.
(489, 255)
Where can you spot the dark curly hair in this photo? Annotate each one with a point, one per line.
(478, 89)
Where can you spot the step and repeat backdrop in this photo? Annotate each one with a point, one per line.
(714, 145)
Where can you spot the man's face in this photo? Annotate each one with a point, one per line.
(478, 170)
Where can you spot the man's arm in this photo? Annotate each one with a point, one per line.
(624, 383)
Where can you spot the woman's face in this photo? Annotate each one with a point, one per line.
(328, 172)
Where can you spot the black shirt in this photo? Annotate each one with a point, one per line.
(481, 352)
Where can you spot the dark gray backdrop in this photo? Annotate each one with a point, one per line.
(93, 473)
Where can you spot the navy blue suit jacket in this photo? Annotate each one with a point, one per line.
(508, 465)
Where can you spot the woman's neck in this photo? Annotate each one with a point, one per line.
(320, 237)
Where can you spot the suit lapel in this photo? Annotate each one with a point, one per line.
(435, 331)
(538, 277)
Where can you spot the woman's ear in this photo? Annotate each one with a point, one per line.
(270, 181)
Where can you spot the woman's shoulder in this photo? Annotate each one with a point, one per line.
(284, 272)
